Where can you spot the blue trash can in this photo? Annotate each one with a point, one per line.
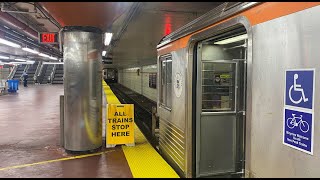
(13, 85)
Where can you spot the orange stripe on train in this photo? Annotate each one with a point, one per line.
(256, 15)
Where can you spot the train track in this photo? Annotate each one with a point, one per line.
(142, 115)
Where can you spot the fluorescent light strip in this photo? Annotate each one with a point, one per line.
(6, 42)
(233, 39)
(52, 63)
(43, 55)
(249, 4)
(54, 58)
(20, 59)
(30, 39)
(107, 38)
(4, 57)
(30, 50)
(21, 62)
(16, 62)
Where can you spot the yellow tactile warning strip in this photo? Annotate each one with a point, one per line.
(144, 161)
(111, 98)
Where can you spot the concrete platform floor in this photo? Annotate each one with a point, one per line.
(29, 139)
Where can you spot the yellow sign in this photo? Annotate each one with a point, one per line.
(225, 76)
(120, 124)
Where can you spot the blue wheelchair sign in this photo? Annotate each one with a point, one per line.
(300, 88)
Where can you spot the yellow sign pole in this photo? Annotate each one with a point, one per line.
(120, 125)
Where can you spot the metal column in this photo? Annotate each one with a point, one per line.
(82, 88)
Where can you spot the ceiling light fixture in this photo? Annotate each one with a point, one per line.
(52, 62)
(54, 58)
(104, 53)
(107, 38)
(20, 59)
(6, 42)
(43, 55)
(30, 50)
(19, 63)
(4, 57)
(233, 39)
(30, 62)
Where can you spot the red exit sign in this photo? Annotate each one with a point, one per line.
(48, 38)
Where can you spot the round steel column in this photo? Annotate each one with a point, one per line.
(82, 88)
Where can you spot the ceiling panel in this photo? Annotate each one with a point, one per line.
(181, 7)
(97, 14)
(137, 45)
(42, 24)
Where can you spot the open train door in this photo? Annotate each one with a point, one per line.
(220, 104)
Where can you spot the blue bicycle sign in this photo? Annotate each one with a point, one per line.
(298, 130)
(295, 121)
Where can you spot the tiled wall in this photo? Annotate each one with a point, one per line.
(139, 83)
(130, 79)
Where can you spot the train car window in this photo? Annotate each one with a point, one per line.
(163, 82)
(169, 82)
(153, 80)
(166, 81)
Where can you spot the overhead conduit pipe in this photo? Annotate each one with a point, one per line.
(15, 23)
(11, 21)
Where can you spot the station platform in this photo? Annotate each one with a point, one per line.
(29, 143)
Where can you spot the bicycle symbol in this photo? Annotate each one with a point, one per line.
(292, 122)
(297, 87)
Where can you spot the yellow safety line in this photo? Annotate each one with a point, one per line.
(55, 160)
(106, 87)
(141, 167)
(152, 167)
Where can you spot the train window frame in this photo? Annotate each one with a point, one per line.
(164, 101)
(153, 80)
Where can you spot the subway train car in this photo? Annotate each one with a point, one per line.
(221, 90)
(110, 75)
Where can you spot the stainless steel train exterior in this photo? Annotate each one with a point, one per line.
(221, 90)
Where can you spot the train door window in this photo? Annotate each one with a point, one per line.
(166, 81)
(220, 57)
(218, 81)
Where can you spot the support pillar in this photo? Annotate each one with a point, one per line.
(82, 88)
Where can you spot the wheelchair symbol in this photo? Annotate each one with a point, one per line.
(297, 87)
